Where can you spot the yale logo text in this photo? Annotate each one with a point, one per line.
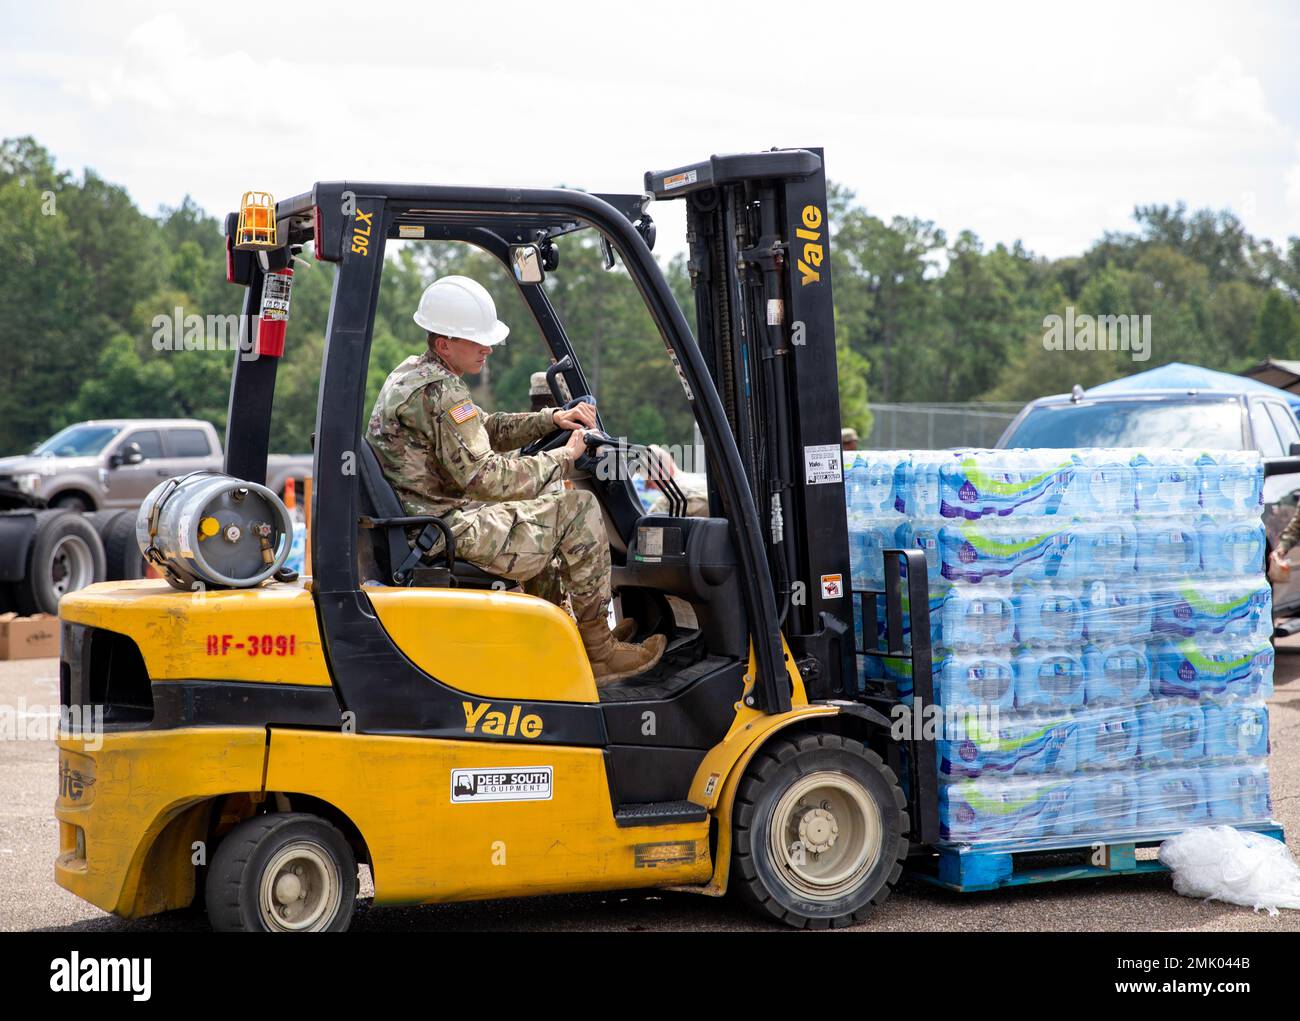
(813, 250)
(478, 720)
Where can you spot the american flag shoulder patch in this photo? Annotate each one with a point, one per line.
(462, 412)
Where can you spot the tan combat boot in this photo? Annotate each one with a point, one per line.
(613, 660)
(624, 630)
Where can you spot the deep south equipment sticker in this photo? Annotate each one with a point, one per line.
(504, 783)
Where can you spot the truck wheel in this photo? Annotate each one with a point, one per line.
(820, 831)
(66, 554)
(71, 502)
(101, 519)
(121, 549)
(286, 872)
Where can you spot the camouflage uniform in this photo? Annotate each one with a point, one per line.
(1290, 535)
(511, 516)
(696, 490)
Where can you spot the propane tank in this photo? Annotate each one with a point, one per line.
(210, 530)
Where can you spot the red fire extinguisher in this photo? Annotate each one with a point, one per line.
(274, 316)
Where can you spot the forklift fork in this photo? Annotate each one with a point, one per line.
(912, 758)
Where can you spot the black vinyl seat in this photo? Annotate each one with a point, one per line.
(392, 550)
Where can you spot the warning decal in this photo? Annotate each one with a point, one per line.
(832, 586)
(275, 296)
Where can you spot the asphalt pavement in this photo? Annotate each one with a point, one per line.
(30, 899)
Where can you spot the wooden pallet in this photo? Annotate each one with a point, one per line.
(967, 868)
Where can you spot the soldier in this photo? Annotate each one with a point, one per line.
(539, 394)
(1279, 567)
(444, 456)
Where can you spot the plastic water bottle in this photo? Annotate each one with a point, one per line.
(1235, 731)
(1017, 745)
(1048, 614)
(1002, 483)
(1049, 680)
(1171, 734)
(1167, 548)
(1172, 798)
(976, 679)
(1241, 609)
(1206, 669)
(1237, 794)
(1116, 675)
(977, 615)
(1116, 612)
(855, 488)
(921, 497)
(1108, 738)
(978, 550)
(878, 481)
(1232, 482)
(1103, 485)
(1107, 804)
(923, 534)
(976, 811)
(868, 539)
(1100, 549)
(1167, 482)
(1232, 546)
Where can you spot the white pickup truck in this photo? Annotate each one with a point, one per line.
(69, 506)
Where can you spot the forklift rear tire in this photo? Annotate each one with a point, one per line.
(285, 872)
(820, 827)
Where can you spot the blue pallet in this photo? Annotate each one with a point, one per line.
(966, 868)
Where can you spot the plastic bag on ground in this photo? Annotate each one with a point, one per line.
(1236, 866)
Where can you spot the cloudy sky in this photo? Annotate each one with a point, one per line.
(1039, 122)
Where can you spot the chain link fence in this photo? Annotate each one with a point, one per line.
(937, 426)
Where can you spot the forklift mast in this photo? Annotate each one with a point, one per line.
(760, 270)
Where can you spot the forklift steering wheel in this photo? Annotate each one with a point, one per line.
(558, 438)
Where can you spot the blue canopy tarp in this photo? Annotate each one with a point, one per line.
(1180, 376)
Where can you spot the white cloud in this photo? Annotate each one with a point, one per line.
(1227, 95)
(1018, 122)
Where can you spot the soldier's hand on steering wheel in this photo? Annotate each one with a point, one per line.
(581, 416)
(577, 445)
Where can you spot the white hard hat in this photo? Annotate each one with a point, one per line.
(461, 307)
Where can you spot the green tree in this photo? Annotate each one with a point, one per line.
(1276, 330)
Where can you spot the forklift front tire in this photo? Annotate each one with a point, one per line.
(285, 872)
(820, 826)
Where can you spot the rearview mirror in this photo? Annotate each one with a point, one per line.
(1295, 450)
(527, 262)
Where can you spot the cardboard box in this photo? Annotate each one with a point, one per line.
(28, 637)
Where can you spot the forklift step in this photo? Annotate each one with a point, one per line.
(966, 868)
(660, 813)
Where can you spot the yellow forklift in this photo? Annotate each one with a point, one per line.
(266, 734)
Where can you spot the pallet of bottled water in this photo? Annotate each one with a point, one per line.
(1100, 623)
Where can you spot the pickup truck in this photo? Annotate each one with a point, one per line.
(67, 509)
(113, 463)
